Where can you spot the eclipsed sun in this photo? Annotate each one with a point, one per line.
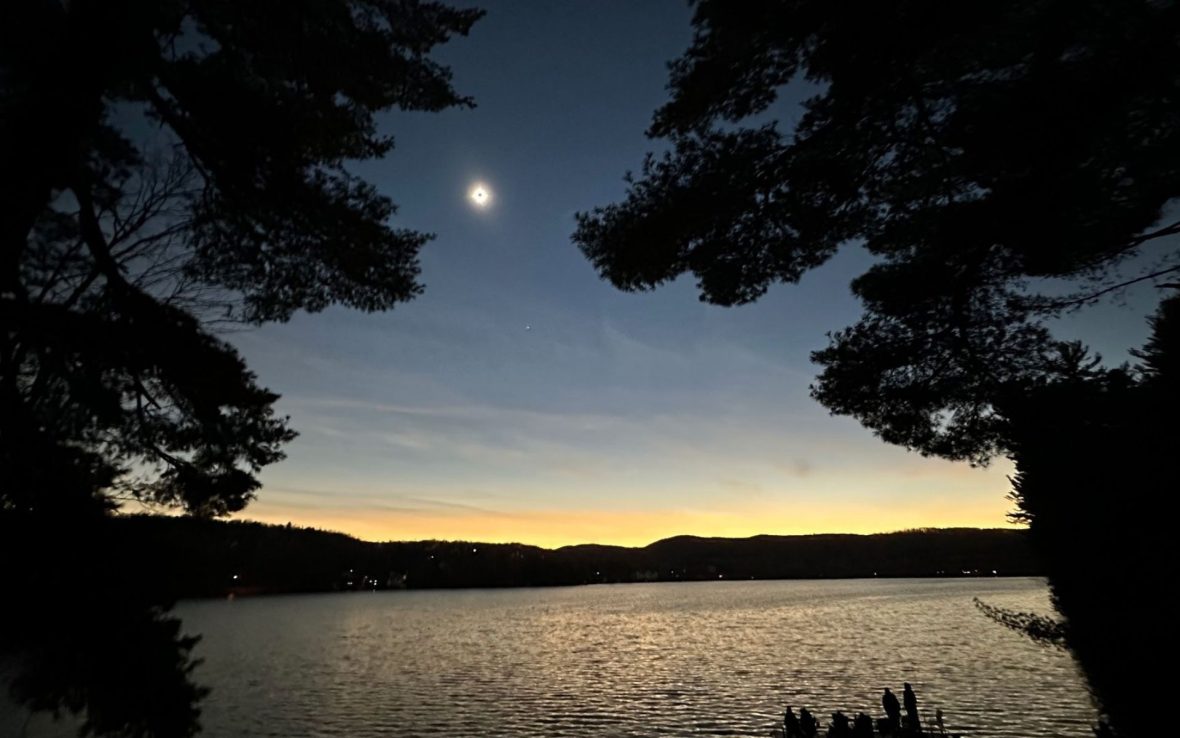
(480, 196)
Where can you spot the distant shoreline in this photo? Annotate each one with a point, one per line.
(475, 588)
(194, 558)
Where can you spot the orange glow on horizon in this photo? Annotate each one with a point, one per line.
(555, 528)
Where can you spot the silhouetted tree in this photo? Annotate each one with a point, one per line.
(979, 151)
(261, 104)
(1095, 458)
(88, 635)
(165, 165)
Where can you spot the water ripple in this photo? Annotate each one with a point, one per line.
(705, 659)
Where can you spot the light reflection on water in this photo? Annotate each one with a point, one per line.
(627, 660)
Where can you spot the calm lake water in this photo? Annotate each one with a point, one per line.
(718, 658)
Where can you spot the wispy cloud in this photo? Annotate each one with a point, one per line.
(386, 502)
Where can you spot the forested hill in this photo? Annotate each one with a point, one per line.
(194, 558)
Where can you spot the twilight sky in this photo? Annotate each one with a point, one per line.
(523, 399)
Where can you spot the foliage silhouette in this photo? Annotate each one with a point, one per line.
(106, 364)
(1042, 629)
(985, 154)
(90, 636)
(1093, 434)
(166, 166)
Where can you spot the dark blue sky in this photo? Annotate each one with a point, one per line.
(521, 398)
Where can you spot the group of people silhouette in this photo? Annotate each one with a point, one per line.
(895, 723)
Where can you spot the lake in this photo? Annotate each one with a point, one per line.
(709, 658)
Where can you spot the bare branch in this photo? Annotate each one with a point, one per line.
(1086, 299)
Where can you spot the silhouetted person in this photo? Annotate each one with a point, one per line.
(862, 727)
(791, 724)
(938, 721)
(892, 710)
(911, 708)
(839, 727)
(807, 724)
